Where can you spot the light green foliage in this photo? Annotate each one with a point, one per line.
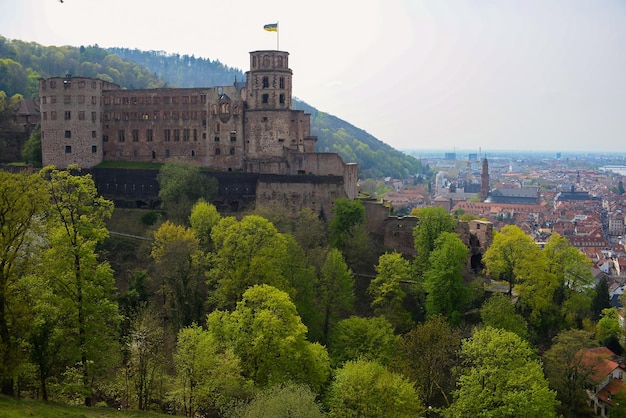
(608, 326)
(367, 389)
(208, 376)
(499, 312)
(511, 256)
(309, 230)
(567, 373)
(176, 252)
(443, 281)
(249, 252)
(82, 285)
(334, 293)
(180, 186)
(31, 151)
(288, 400)
(431, 222)
(387, 290)
(500, 378)
(204, 216)
(347, 215)
(266, 333)
(427, 354)
(365, 338)
(22, 202)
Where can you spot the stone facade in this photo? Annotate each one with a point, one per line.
(247, 127)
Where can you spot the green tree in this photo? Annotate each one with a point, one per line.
(511, 255)
(289, 400)
(82, 285)
(609, 332)
(334, 293)
(208, 376)
(601, 299)
(367, 389)
(431, 222)
(567, 373)
(347, 215)
(499, 312)
(180, 186)
(443, 280)
(7, 111)
(266, 333)
(179, 262)
(22, 203)
(427, 353)
(388, 296)
(500, 377)
(249, 252)
(204, 216)
(31, 151)
(363, 338)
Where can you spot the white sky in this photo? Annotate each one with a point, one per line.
(417, 74)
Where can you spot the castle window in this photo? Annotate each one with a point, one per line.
(166, 99)
(105, 138)
(175, 115)
(185, 134)
(281, 99)
(166, 115)
(125, 100)
(167, 153)
(45, 115)
(94, 149)
(281, 82)
(107, 116)
(266, 82)
(134, 153)
(153, 155)
(81, 115)
(203, 98)
(117, 100)
(53, 84)
(43, 99)
(135, 135)
(175, 99)
(233, 136)
(214, 109)
(232, 151)
(155, 115)
(145, 116)
(166, 135)
(216, 139)
(203, 123)
(195, 134)
(93, 84)
(68, 134)
(81, 84)
(68, 115)
(94, 134)
(93, 116)
(121, 135)
(266, 98)
(176, 134)
(156, 100)
(53, 99)
(68, 149)
(280, 61)
(133, 100)
(43, 84)
(217, 126)
(185, 99)
(125, 115)
(81, 99)
(282, 140)
(149, 135)
(203, 135)
(235, 110)
(193, 153)
(225, 108)
(94, 100)
(53, 115)
(217, 151)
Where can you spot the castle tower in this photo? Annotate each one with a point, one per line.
(269, 81)
(71, 128)
(484, 180)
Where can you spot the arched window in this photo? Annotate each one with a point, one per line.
(266, 82)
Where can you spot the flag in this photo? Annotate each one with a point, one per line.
(271, 27)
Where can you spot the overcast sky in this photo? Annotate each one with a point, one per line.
(436, 74)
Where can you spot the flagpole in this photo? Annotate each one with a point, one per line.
(277, 35)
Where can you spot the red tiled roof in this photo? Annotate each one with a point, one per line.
(607, 392)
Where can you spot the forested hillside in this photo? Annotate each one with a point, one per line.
(23, 63)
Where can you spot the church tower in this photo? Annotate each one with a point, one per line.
(484, 180)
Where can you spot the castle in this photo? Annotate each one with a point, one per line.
(249, 127)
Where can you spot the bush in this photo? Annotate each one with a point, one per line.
(150, 218)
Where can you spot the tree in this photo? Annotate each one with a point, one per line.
(431, 222)
(176, 252)
(443, 280)
(208, 376)
(334, 292)
(511, 255)
(363, 338)
(368, 389)
(426, 354)
(347, 214)
(22, 203)
(386, 290)
(499, 312)
(289, 400)
(204, 216)
(267, 335)
(82, 285)
(601, 299)
(249, 252)
(609, 332)
(500, 378)
(567, 373)
(31, 151)
(180, 186)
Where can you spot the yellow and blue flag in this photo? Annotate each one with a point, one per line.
(271, 27)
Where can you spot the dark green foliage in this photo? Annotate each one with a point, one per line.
(31, 151)
(348, 214)
(600, 299)
(150, 218)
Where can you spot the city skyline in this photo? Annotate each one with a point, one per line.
(522, 75)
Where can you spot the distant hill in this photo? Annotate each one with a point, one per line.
(23, 63)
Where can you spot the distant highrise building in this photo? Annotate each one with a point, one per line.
(450, 156)
(484, 180)
(473, 157)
